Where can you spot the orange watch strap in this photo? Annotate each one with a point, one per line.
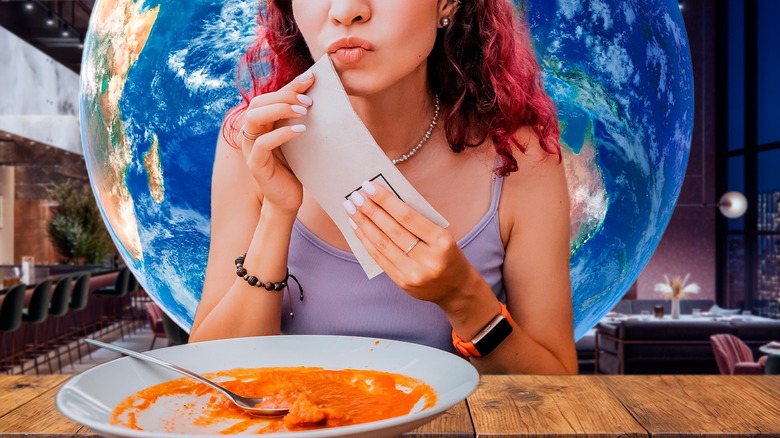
(468, 349)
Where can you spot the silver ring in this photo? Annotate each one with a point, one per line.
(416, 241)
(248, 136)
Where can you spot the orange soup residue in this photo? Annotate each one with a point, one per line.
(317, 398)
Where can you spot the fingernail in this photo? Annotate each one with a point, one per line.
(305, 76)
(350, 207)
(298, 128)
(352, 223)
(304, 99)
(369, 187)
(299, 109)
(357, 198)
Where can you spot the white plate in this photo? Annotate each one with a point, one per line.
(90, 397)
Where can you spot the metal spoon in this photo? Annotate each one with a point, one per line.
(246, 403)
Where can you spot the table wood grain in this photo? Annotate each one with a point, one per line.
(550, 406)
(514, 406)
(38, 415)
(693, 405)
(454, 423)
(15, 391)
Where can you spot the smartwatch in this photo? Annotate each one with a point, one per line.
(488, 338)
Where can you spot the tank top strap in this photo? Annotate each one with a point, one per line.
(491, 216)
(498, 182)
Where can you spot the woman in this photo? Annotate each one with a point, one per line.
(450, 90)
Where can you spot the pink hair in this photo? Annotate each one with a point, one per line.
(481, 66)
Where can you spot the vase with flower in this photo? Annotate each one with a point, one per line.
(676, 288)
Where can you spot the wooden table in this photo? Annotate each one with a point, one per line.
(509, 406)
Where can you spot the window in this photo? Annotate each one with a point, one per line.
(749, 256)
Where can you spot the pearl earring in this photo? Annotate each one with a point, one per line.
(445, 22)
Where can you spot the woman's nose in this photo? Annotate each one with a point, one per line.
(348, 12)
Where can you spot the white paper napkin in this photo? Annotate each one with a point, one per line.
(337, 153)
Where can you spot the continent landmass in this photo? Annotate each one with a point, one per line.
(579, 96)
(119, 33)
(153, 166)
(588, 196)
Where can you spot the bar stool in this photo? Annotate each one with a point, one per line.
(154, 315)
(176, 334)
(11, 320)
(133, 289)
(58, 307)
(35, 314)
(132, 283)
(78, 301)
(118, 292)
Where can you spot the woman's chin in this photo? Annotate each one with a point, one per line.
(359, 84)
(358, 90)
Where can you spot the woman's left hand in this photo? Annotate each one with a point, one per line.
(419, 256)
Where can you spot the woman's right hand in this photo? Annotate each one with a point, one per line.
(278, 185)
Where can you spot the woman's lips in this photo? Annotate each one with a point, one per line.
(350, 50)
(349, 55)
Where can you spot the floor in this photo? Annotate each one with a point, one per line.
(138, 340)
(136, 337)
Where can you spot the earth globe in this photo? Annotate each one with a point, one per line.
(157, 79)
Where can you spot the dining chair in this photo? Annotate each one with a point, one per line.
(154, 315)
(116, 293)
(34, 315)
(78, 302)
(10, 321)
(58, 307)
(734, 357)
(176, 334)
(772, 365)
(132, 283)
(134, 292)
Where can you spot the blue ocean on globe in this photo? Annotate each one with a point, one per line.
(158, 77)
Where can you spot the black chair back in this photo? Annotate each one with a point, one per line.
(38, 309)
(772, 364)
(132, 283)
(11, 310)
(176, 335)
(122, 281)
(60, 298)
(80, 294)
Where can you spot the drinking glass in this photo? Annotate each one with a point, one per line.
(696, 313)
(645, 314)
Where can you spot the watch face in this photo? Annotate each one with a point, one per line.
(494, 336)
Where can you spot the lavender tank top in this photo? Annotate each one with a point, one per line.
(341, 300)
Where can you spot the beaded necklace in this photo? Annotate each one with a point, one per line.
(424, 138)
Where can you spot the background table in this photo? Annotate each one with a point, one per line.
(770, 349)
(686, 318)
(508, 406)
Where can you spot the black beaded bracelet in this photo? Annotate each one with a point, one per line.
(254, 281)
(268, 285)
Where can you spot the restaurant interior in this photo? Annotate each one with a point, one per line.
(731, 253)
(724, 234)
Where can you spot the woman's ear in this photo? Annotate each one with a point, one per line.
(447, 9)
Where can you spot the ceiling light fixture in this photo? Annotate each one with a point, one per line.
(732, 204)
(50, 19)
